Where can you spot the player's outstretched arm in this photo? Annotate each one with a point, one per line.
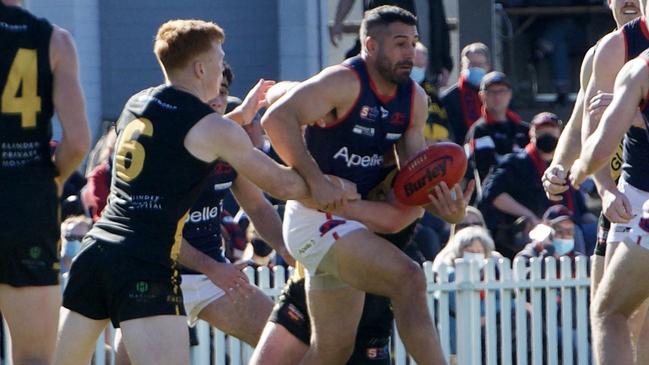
(217, 137)
(555, 181)
(68, 103)
(262, 214)
(630, 89)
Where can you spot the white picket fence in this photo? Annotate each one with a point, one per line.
(503, 314)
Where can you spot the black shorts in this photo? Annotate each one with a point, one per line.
(104, 282)
(29, 236)
(374, 330)
(603, 226)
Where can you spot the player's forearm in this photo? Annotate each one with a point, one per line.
(194, 259)
(603, 181)
(391, 219)
(342, 10)
(269, 225)
(569, 144)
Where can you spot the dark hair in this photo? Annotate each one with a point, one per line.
(382, 17)
(260, 247)
(228, 75)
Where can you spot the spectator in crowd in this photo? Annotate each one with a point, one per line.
(473, 244)
(470, 243)
(461, 101)
(72, 231)
(473, 217)
(95, 194)
(258, 253)
(499, 131)
(513, 198)
(556, 236)
(436, 128)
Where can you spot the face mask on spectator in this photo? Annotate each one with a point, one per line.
(473, 256)
(563, 246)
(418, 74)
(546, 143)
(474, 75)
(71, 248)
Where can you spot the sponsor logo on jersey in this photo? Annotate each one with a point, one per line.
(204, 215)
(393, 136)
(369, 113)
(305, 247)
(364, 131)
(354, 160)
(222, 186)
(384, 113)
(398, 119)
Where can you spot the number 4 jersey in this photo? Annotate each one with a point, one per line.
(26, 105)
(155, 180)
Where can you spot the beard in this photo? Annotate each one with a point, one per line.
(392, 72)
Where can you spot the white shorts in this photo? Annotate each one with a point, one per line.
(198, 291)
(637, 197)
(309, 234)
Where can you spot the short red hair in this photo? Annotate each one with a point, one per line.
(178, 41)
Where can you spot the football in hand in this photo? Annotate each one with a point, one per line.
(444, 161)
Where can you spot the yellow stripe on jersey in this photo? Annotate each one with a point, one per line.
(178, 236)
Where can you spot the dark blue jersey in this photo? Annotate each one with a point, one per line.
(354, 146)
(203, 224)
(636, 145)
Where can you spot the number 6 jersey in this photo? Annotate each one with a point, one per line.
(155, 180)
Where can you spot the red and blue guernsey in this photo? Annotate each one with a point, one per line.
(354, 146)
(635, 170)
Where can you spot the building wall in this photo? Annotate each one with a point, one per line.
(128, 63)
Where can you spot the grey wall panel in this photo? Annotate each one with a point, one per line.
(128, 29)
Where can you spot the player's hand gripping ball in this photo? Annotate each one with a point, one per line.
(439, 162)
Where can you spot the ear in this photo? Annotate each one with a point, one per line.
(199, 69)
(483, 96)
(371, 44)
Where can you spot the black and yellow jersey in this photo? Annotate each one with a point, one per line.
(26, 104)
(155, 180)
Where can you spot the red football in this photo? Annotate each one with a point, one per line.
(439, 162)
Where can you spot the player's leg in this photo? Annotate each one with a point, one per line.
(335, 310)
(278, 346)
(374, 265)
(77, 337)
(157, 340)
(32, 315)
(244, 319)
(616, 299)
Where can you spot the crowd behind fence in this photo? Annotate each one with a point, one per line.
(532, 312)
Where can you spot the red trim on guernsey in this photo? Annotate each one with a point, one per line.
(360, 91)
(626, 46)
(412, 104)
(645, 101)
(383, 98)
(336, 236)
(328, 215)
(643, 27)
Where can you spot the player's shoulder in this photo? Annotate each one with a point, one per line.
(611, 44)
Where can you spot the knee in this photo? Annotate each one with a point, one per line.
(603, 310)
(411, 280)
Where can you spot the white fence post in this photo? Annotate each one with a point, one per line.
(468, 303)
(491, 327)
(505, 269)
(521, 311)
(582, 307)
(7, 343)
(566, 312)
(537, 311)
(551, 294)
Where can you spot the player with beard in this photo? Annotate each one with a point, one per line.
(377, 108)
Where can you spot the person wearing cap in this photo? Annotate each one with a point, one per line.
(556, 236)
(499, 130)
(461, 101)
(514, 191)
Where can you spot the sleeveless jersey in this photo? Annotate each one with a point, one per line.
(26, 105)
(354, 146)
(203, 224)
(155, 180)
(636, 145)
